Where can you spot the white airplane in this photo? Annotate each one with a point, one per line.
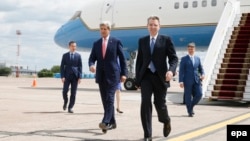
(183, 20)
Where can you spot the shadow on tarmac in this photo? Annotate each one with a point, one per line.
(60, 88)
(58, 133)
(52, 112)
(62, 112)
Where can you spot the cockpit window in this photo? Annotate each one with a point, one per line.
(185, 4)
(177, 5)
(204, 3)
(214, 2)
(195, 4)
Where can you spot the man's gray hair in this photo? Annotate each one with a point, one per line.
(192, 44)
(106, 23)
(153, 17)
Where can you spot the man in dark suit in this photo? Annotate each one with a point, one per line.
(71, 72)
(153, 75)
(191, 74)
(109, 74)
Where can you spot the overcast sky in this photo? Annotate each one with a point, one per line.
(38, 21)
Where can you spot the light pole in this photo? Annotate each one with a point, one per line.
(18, 33)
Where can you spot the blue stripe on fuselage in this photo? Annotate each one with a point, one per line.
(181, 36)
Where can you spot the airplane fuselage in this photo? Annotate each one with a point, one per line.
(184, 21)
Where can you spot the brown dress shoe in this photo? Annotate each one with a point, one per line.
(104, 126)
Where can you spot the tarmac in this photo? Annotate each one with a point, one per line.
(36, 114)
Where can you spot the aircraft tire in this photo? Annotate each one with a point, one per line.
(129, 84)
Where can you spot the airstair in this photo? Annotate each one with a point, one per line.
(227, 62)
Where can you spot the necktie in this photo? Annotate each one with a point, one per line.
(152, 45)
(192, 59)
(103, 47)
(151, 65)
(71, 56)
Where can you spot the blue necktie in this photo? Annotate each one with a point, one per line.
(72, 56)
(151, 65)
(192, 59)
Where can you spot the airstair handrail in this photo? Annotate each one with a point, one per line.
(227, 18)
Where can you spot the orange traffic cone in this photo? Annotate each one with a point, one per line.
(34, 82)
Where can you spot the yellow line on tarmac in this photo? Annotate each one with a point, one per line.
(210, 128)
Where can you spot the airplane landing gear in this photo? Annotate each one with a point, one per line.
(129, 84)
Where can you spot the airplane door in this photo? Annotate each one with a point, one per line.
(107, 10)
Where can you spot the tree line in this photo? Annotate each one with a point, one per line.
(6, 71)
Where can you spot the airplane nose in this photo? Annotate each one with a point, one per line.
(68, 31)
(59, 36)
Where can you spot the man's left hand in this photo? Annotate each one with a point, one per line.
(169, 75)
(123, 78)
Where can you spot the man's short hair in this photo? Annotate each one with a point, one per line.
(154, 18)
(106, 23)
(192, 44)
(71, 42)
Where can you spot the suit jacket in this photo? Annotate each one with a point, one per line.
(108, 65)
(163, 49)
(188, 73)
(71, 66)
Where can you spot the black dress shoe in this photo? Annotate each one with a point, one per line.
(190, 115)
(104, 131)
(166, 129)
(70, 110)
(147, 139)
(119, 111)
(113, 125)
(64, 106)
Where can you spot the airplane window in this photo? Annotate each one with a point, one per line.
(185, 4)
(177, 5)
(214, 2)
(204, 3)
(195, 4)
